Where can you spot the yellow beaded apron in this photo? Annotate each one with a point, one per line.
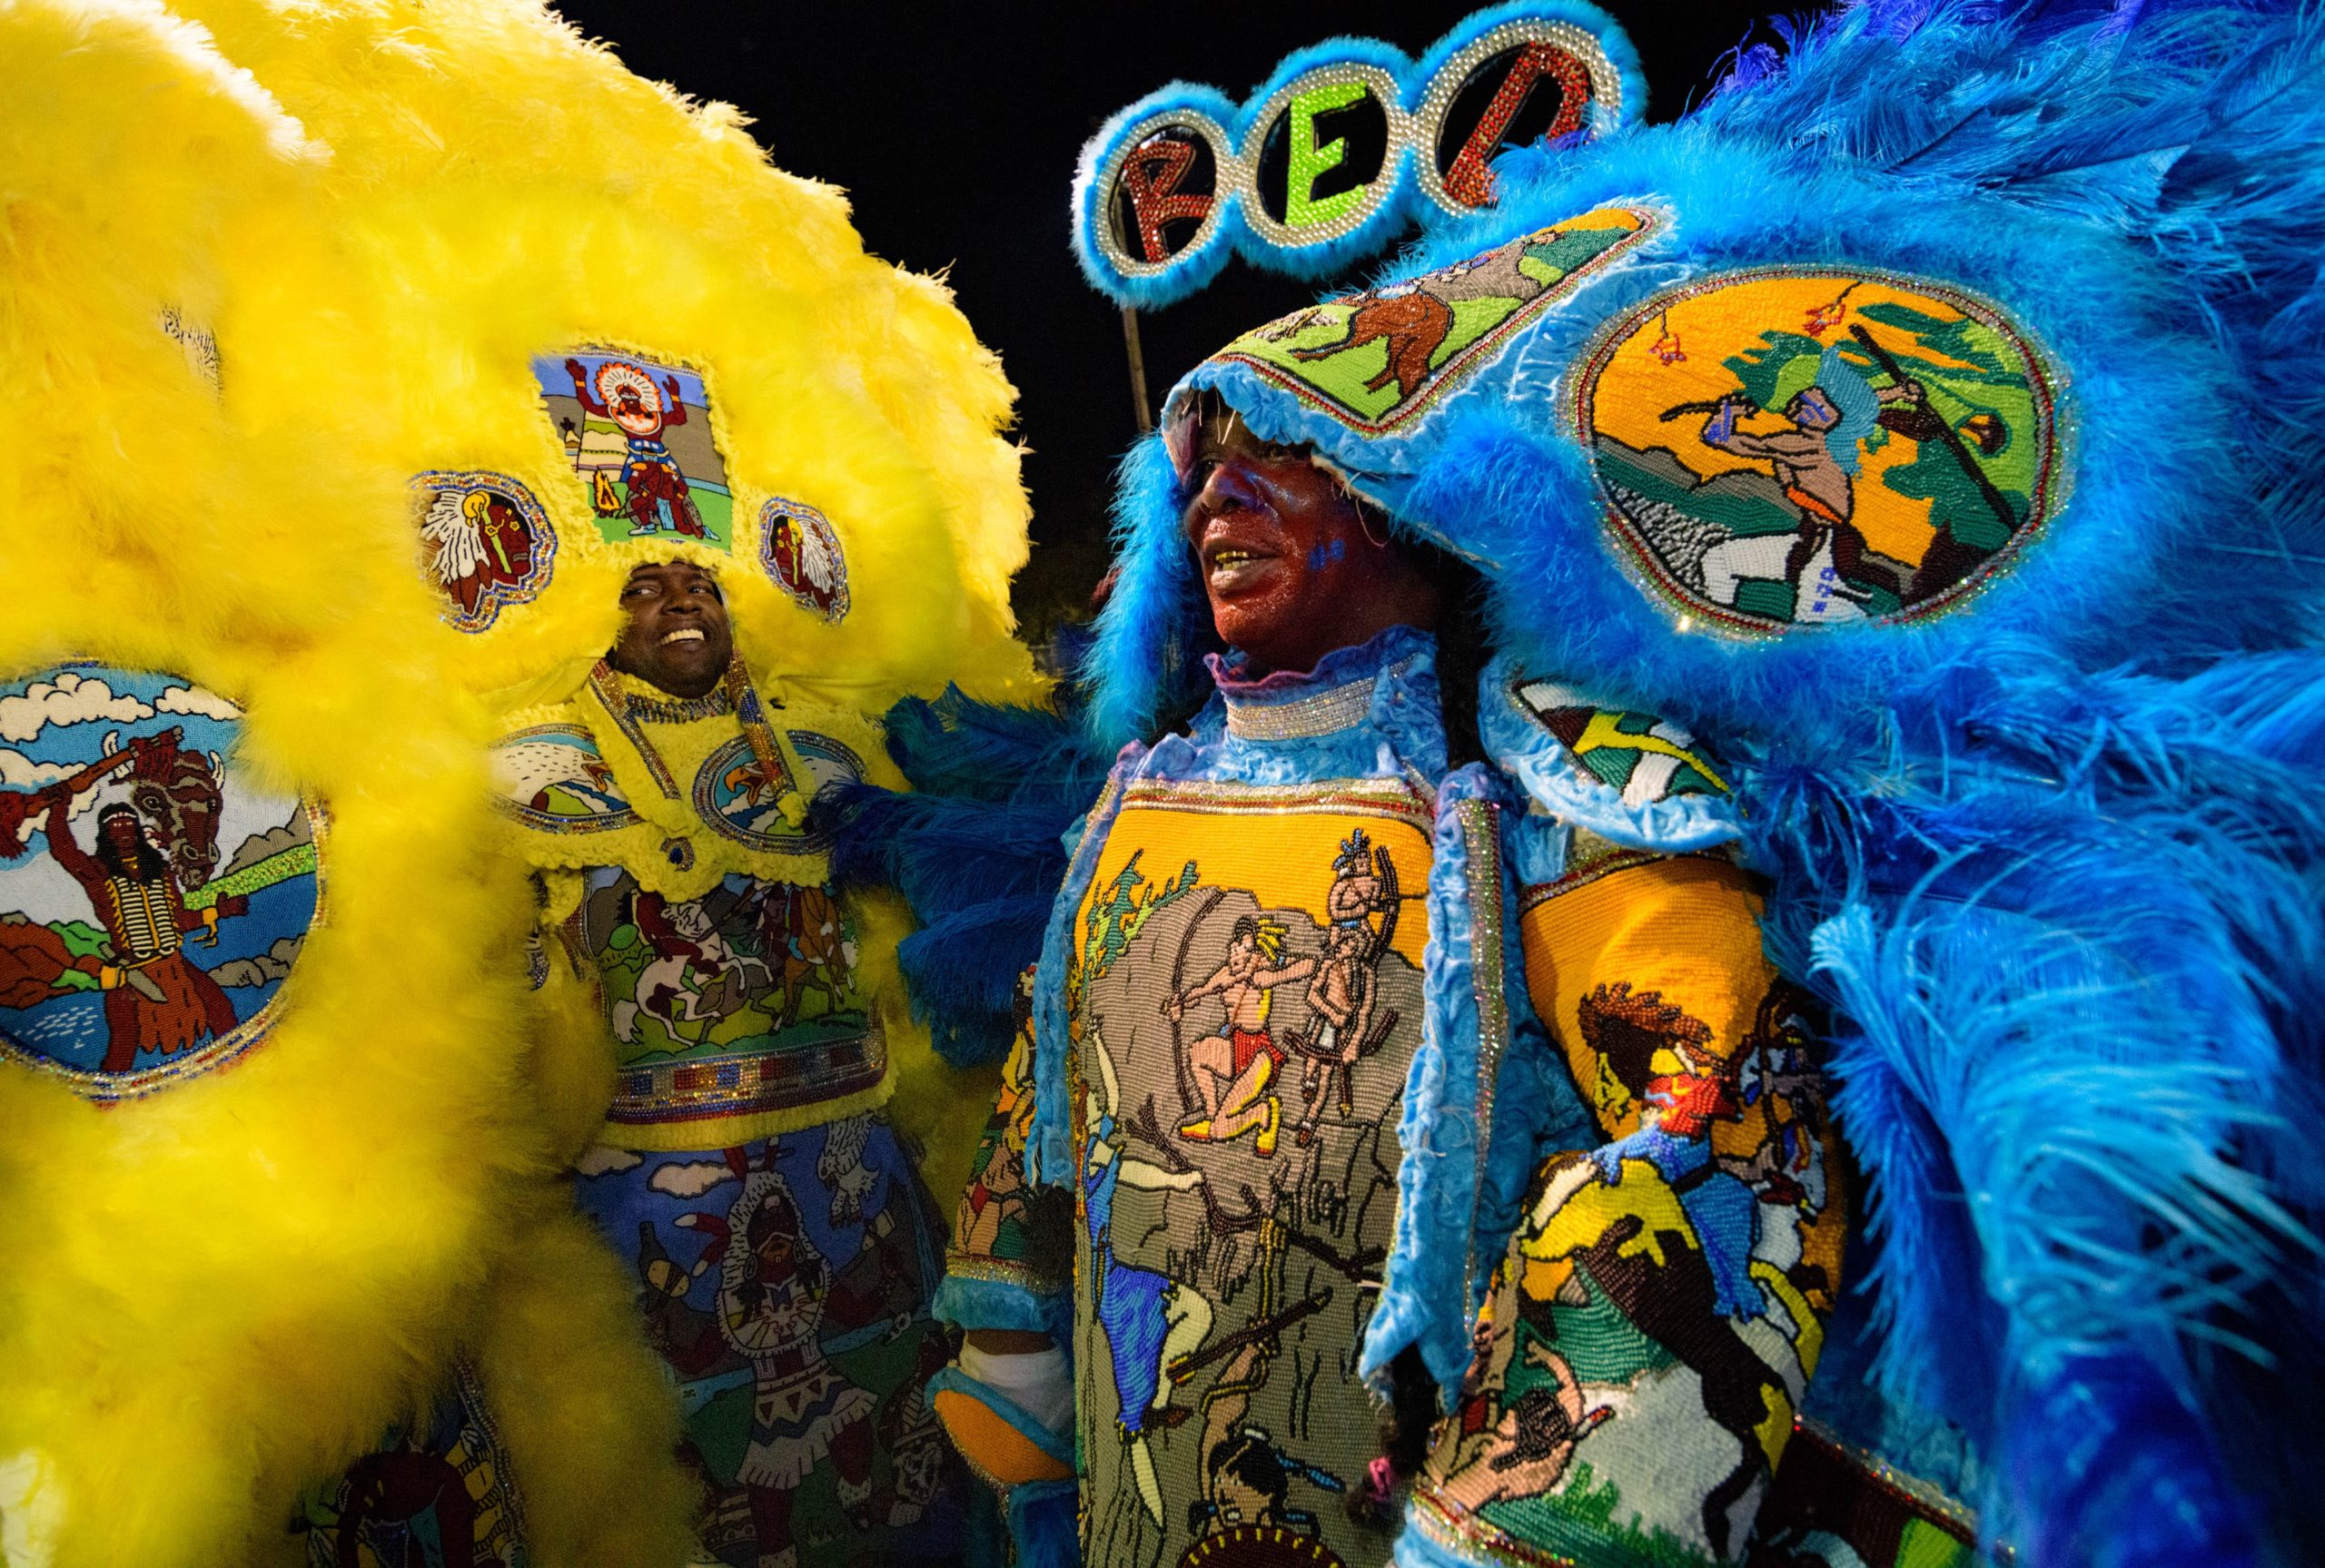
(683, 883)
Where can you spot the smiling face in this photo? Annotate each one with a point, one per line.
(1288, 565)
(677, 637)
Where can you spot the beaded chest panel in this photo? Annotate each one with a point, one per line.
(1245, 993)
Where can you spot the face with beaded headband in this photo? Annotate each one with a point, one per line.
(1293, 565)
(677, 636)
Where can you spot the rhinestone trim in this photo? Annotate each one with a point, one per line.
(1229, 179)
(1390, 799)
(1919, 1492)
(1382, 88)
(1429, 117)
(1482, 837)
(685, 710)
(741, 1085)
(1305, 718)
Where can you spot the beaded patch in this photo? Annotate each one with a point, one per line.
(151, 899)
(551, 777)
(994, 1233)
(1305, 718)
(740, 1002)
(802, 554)
(1342, 144)
(637, 434)
(736, 794)
(445, 1480)
(1835, 1503)
(785, 1283)
(199, 345)
(1655, 1321)
(1375, 359)
(1809, 445)
(1244, 987)
(1641, 757)
(489, 543)
(747, 1083)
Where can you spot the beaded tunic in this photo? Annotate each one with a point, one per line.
(784, 1249)
(1338, 1052)
(1243, 993)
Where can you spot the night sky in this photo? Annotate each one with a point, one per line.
(954, 130)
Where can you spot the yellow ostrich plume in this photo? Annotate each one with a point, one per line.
(503, 197)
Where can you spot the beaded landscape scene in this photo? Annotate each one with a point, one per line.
(1801, 446)
(153, 900)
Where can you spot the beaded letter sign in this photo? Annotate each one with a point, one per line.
(1796, 446)
(1343, 146)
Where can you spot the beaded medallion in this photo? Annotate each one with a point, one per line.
(1801, 446)
(152, 899)
(487, 543)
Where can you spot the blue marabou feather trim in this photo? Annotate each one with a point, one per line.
(1425, 1291)
(1042, 1524)
(1553, 776)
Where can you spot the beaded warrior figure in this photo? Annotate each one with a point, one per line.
(1403, 1022)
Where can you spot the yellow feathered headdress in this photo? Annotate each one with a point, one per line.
(297, 331)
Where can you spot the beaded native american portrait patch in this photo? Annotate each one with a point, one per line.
(785, 1283)
(1801, 446)
(487, 543)
(637, 433)
(801, 553)
(151, 899)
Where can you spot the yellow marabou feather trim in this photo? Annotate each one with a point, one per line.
(382, 209)
(500, 190)
(221, 1290)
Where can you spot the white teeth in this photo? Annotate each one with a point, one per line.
(683, 635)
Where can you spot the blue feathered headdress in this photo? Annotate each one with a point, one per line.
(1934, 417)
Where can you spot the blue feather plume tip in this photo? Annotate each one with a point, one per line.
(975, 847)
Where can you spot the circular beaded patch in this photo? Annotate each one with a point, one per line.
(1805, 446)
(151, 899)
(489, 543)
(733, 795)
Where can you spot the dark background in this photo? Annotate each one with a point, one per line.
(954, 130)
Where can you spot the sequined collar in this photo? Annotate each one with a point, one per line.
(1337, 695)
